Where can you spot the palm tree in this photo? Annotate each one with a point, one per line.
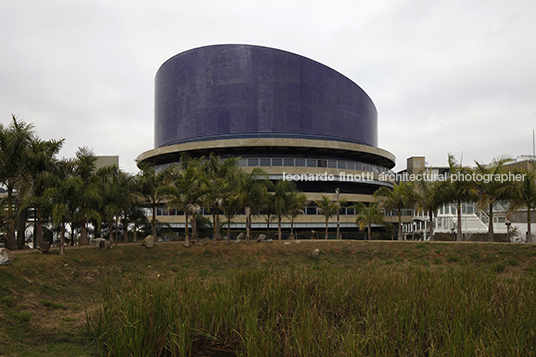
(523, 194)
(35, 179)
(230, 206)
(298, 201)
(491, 191)
(401, 196)
(328, 208)
(149, 186)
(62, 195)
(114, 193)
(282, 201)
(459, 190)
(219, 175)
(89, 198)
(430, 195)
(186, 191)
(368, 215)
(252, 190)
(14, 143)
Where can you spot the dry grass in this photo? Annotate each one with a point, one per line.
(76, 280)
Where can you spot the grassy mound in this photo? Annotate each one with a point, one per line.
(354, 298)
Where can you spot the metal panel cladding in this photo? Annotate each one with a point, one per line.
(243, 91)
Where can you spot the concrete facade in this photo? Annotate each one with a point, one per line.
(276, 110)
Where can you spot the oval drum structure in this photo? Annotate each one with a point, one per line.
(244, 91)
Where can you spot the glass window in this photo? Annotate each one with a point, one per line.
(365, 167)
(332, 164)
(300, 162)
(277, 162)
(243, 162)
(470, 209)
(289, 162)
(358, 166)
(311, 162)
(321, 163)
(253, 162)
(310, 210)
(341, 164)
(265, 162)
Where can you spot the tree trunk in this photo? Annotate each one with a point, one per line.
(327, 220)
(72, 235)
(111, 231)
(217, 231)
(368, 236)
(11, 243)
(248, 223)
(194, 226)
(431, 214)
(84, 240)
(21, 229)
(268, 226)
(529, 232)
(125, 229)
(279, 235)
(459, 234)
(186, 231)
(228, 229)
(135, 233)
(400, 225)
(292, 226)
(490, 229)
(62, 239)
(154, 224)
(38, 228)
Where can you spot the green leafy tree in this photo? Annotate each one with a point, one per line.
(114, 192)
(35, 179)
(219, 174)
(401, 196)
(430, 195)
(459, 190)
(186, 191)
(491, 191)
(62, 195)
(149, 188)
(328, 208)
(282, 201)
(367, 215)
(523, 194)
(89, 197)
(298, 201)
(252, 190)
(15, 140)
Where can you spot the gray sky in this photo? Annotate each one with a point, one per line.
(446, 76)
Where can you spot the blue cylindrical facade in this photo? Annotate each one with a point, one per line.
(243, 91)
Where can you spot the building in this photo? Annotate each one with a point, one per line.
(474, 220)
(277, 110)
(106, 160)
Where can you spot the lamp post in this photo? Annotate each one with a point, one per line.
(507, 224)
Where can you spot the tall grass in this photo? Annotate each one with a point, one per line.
(323, 311)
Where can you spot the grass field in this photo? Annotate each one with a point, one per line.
(272, 299)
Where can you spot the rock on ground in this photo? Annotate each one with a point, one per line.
(148, 241)
(101, 243)
(5, 256)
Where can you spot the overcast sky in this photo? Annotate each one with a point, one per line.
(446, 76)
